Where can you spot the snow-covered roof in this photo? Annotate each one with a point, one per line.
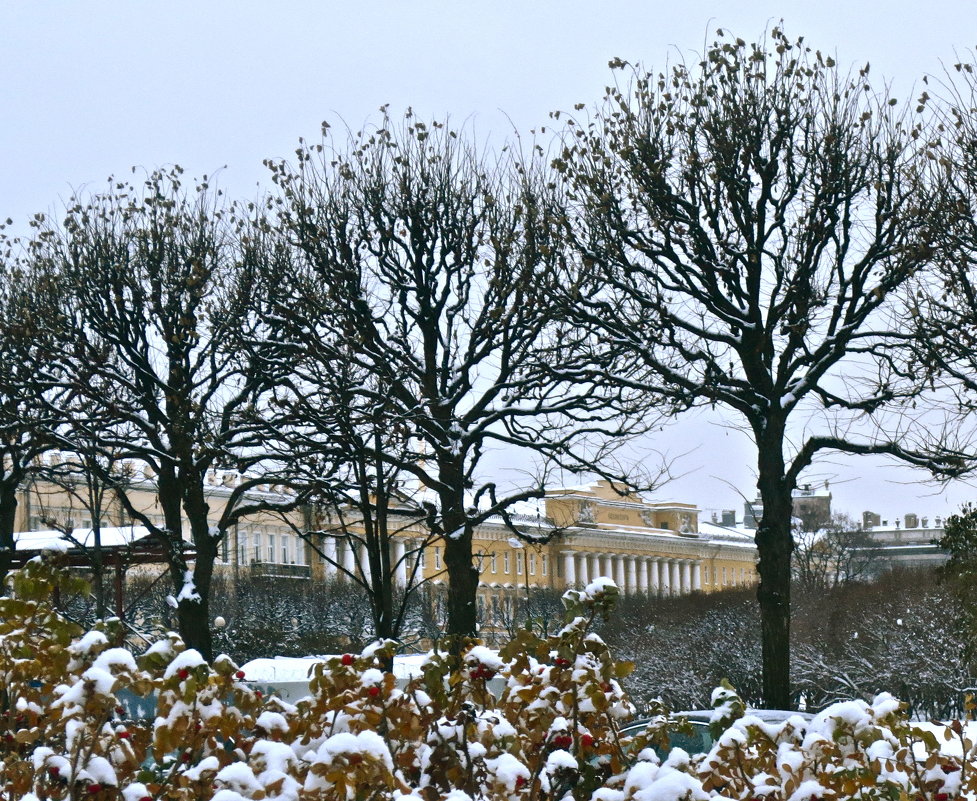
(738, 534)
(110, 536)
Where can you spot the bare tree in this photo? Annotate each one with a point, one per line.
(159, 282)
(362, 519)
(27, 429)
(744, 226)
(833, 554)
(431, 270)
(91, 478)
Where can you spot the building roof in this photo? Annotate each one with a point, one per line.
(109, 536)
(738, 535)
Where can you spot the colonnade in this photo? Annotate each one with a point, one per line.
(341, 553)
(647, 575)
(633, 574)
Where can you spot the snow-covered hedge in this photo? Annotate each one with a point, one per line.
(554, 733)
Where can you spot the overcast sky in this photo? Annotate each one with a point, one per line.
(89, 89)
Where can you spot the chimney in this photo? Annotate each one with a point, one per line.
(926, 522)
(870, 520)
(912, 521)
(729, 517)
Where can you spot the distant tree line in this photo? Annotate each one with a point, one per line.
(759, 230)
(901, 633)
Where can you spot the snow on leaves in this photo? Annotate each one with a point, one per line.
(552, 730)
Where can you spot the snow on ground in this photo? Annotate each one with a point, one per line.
(287, 669)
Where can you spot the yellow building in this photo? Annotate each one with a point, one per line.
(646, 547)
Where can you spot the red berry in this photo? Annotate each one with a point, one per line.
(950, 768)
(354, 759)
(606, 687)
(54, 770)
(186, 756)
(240, 674)
(146, 798)
(373, 691)
(258, 693)
(94, 788)
(347, 659)
(563, 741)
(183, 673)
(520, 781)
(561, 662)
(124, 735)
(942, 796)
(120, 710)
(586, 740)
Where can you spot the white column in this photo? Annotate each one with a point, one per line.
(569, 570)
(400, 563)
(674, 581)
(594, 561)
(365, 563)
(654, 577)
(632, 574)
(619, 577)
(607, 566)
(642, 566)
(329, 552)
(696, 576)
(666, 578)
(686, 568)
(584, 571)
(349, 560)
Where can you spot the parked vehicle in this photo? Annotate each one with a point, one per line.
(696, 737)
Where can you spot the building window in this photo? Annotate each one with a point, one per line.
(505, 562)
(705, 574)
(532, 564)
(256, 542)
(543, 564)
(518, 563)
(242, 547)
(271, 548)
(285, 544)
(437, 557)
(495, 563)
(724, 577)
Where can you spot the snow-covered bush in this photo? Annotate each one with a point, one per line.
(554, 731)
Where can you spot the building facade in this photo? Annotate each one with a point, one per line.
(574, 535)
(908, 542)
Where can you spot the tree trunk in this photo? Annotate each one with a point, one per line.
(8, 515)
(774, 545)
(195, 614)
(462, 574)
(462, 582)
